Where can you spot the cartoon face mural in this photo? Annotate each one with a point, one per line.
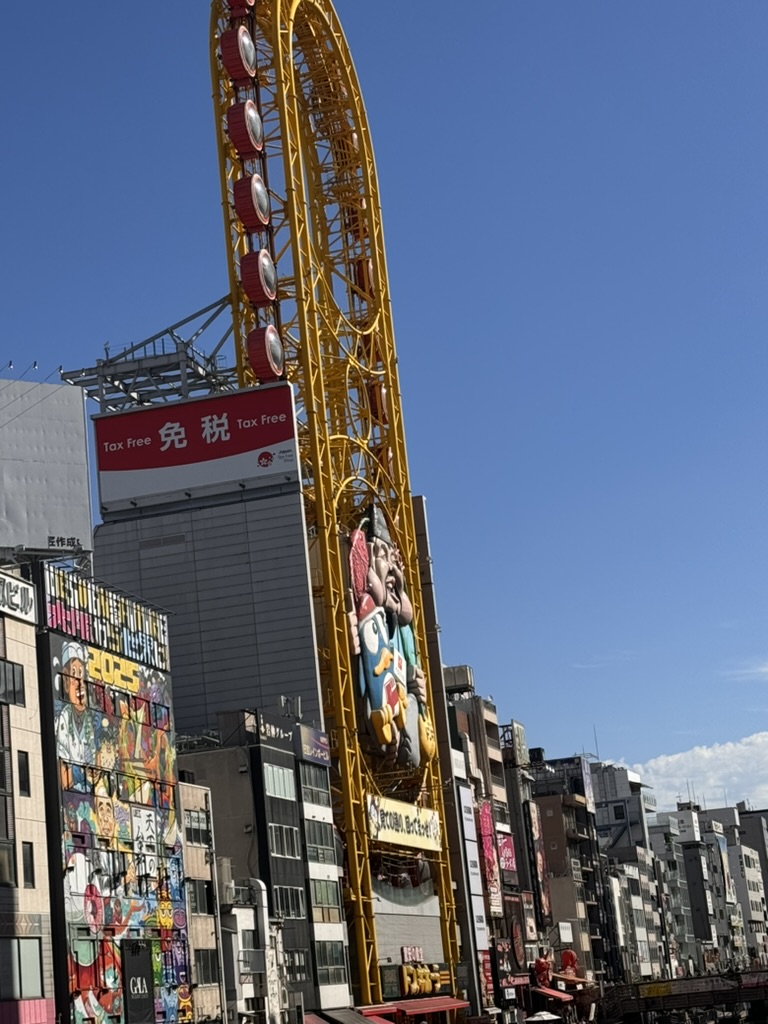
(121, 846)
(391, 684)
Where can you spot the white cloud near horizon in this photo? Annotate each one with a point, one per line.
(737, 770)
(755, 670)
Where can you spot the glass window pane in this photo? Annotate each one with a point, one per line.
(31, 976)
(9, 969)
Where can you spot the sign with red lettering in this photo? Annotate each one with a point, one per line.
(161, 452)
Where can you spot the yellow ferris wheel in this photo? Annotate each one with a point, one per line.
(310, 302)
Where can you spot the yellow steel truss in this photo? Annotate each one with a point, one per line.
(336, 323)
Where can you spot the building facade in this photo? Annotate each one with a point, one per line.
(112, 807)
(26, 935)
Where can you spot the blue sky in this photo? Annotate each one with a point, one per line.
(576, 216)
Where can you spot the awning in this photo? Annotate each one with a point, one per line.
(552, 993)
(312, 1018)
(377, 1020)
(374, 1011)
(413, 1007)
(344, 1015)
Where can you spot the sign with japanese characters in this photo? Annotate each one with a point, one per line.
(17, 598)
(420, 979)
(392, 821)
(164, 452)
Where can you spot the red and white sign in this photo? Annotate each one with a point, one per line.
(236, 437)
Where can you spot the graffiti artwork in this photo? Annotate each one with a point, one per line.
(121, 843)
(391, 683)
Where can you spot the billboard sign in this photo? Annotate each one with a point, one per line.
(393, 821)
(529, 914)
(138, 982)
(539, 861)
(313, 745)
(589, 792)
(468, 813)
(513, 914)
(17, 598)
(162, 453)
(479, 922)
(44, 493)
(507, 858)
(85, 609)
(490, 859)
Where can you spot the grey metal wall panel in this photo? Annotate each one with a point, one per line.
(235, 578)
(44, 490)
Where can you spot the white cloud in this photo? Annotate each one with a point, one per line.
(738, 768)
(750, 671)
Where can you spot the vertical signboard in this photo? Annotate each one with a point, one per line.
(507, 858)
(115, 765)
(138, 985)
(529, 913)
(490, 859)
(513, 914)
(539, 861)
(589, 793)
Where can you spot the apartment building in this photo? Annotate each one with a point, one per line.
(664, 834)
(26, 981)
(200, 891)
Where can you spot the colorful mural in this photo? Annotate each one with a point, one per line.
(121, 841)
(391, 683)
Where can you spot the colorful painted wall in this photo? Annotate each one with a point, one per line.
(120, 836)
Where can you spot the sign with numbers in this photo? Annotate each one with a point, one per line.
(184, 449)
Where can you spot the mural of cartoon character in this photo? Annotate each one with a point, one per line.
(121, 845)
(75, 729)
(391, 683)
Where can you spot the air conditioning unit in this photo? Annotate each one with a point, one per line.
(228, 892)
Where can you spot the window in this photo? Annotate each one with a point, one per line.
(320, 842)
(20, 970)
(289, 901)
(161, 717)
(314, 785)
(28, 865)
(11, 683)
(331, 964)
(200, 896)
(279, 782)
(326, 902)
(7, 845)
(284, 841)
(207, 967)
(297, 964)
(197, 828)
(23, 764)
(619, 813)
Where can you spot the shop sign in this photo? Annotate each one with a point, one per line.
(313, 746)
(507, 859)
(17, 598)
(504, 963)
(425, 980)
(411, 954)
(138, 985)
(86, 610)
(392, 821)
(273, 729)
